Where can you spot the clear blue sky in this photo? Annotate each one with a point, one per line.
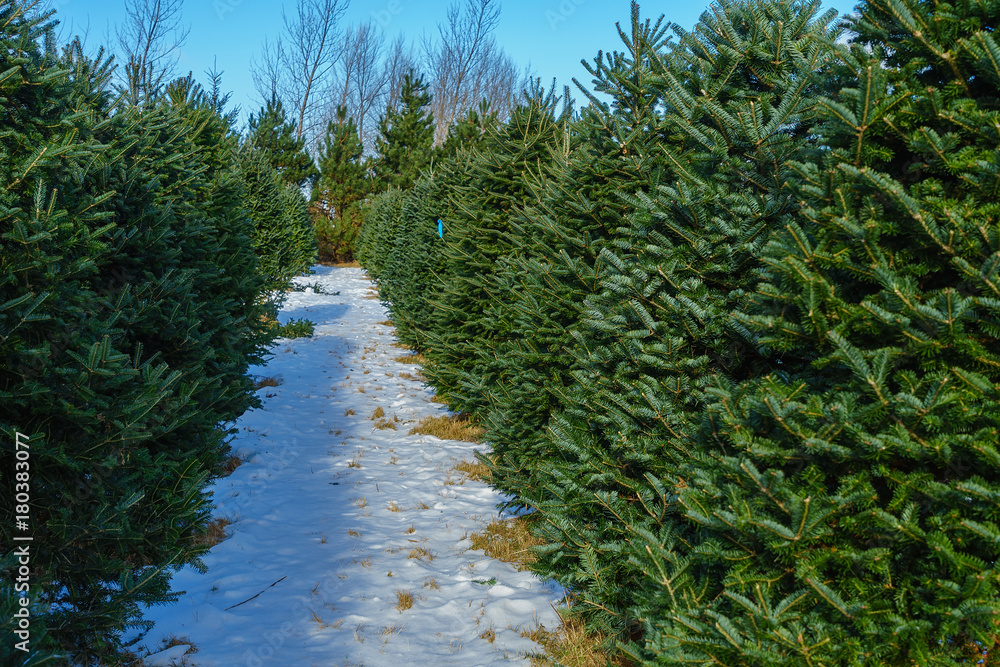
(551, 36)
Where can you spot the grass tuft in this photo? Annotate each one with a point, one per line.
(449, 428)
(231, 463)
(508, 540)
(262, 382)
(474, 470)
(215, 532)
(412, 359)
(419, 553)
(571, 646)
(404, 600)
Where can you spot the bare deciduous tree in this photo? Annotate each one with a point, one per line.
(362, 81)
(149, 39)
(300, 63)
(467, 65)
(400, 61)
(369, 78)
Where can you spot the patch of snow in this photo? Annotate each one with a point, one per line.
(333, 520)
(166, 658)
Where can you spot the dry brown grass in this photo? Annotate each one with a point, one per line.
(404, 600)
(383, 424)
(340, 265)
(214, 533)
(474, 470)
(231, 463)
(419, 553)
(571, 646)
(348, 412)
(508, 540)
(412, 359)
(449, 428)
(378, 414)
(387, 323)
(262, 382)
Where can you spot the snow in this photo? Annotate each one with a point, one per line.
(329, 517)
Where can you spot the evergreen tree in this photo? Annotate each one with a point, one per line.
(273, 133)
(612, 148)
(413, 258)
(737, 102)
(342, 187)
(282, 236)
(343, 175)
(51, 229)
(131, 311)
(378, 232)
(499, 178)
(469, 130)
(406, 137)
(852, 492)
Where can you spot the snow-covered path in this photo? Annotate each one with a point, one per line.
(334, 521)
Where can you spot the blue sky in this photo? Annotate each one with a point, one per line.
(551, 36)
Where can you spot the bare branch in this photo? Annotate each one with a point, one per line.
(300, 64)
(149, 39)
(467, 65)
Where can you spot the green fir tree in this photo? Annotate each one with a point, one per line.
(406, 137)
(852, 490)
(341, 189)
(498, 179)
(737, 101)
(130, 313)
(271, 131)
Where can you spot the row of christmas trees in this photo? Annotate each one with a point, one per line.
(735, 335)
(141, 247)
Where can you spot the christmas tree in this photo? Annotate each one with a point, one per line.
(341, 189)
(485, 194)
(406, 136)
(271, 131)
(131, 310)
(736, 98)
(850, 492)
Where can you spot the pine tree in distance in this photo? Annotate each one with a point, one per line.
(273, 133)
(406, 137)
(342, 186)
(342, 173)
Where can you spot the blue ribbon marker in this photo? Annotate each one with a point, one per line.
(440, 229)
